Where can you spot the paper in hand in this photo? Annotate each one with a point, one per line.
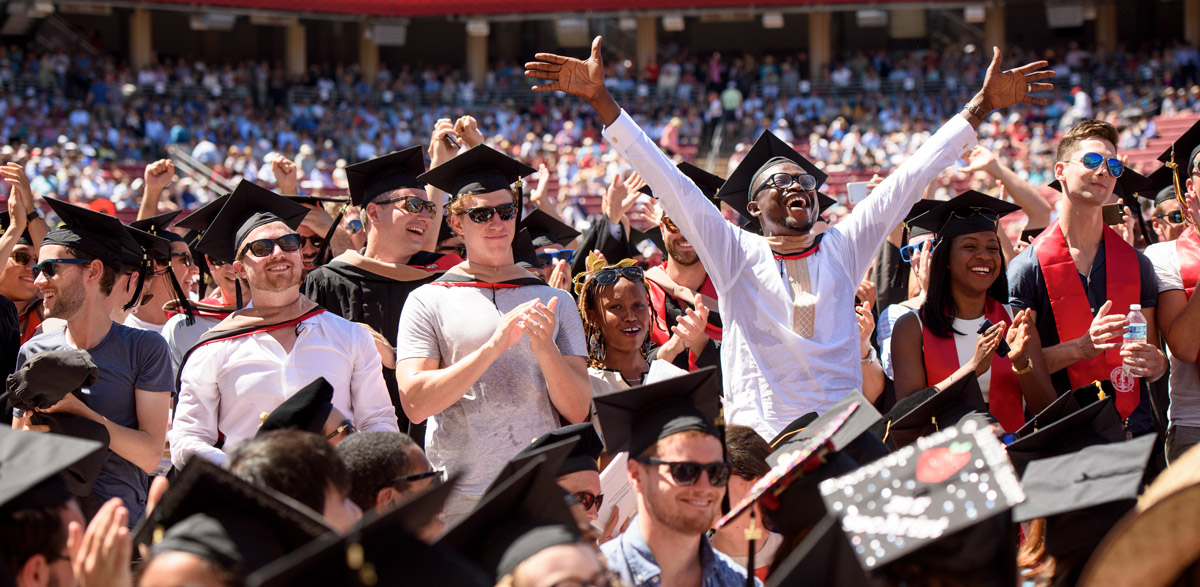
(618, 491)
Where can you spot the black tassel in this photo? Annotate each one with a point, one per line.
(321, 260)
(237, 288)
(184, 305)
(137, 292)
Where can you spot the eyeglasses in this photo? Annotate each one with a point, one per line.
(670, 225)
(907, 251)
(547, 258)
(484, 214)
(1174, 217)
(783, 181)
(588, 499)
(419, 476)
(416, 205)
(288, 243)
(1094, 160)
(21, 258)
(460, 250)
(185, 258)
(47, 266)
(214, 262)
(347, 426)
(686, 473)
(354, 226)
(314, 240)
(610, 276)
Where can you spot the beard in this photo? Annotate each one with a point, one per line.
(681, 256)
(66, 302)
(264, 280)
(662, 510)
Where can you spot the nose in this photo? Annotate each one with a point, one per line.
(40, 279)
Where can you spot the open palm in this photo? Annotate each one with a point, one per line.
(584, 79)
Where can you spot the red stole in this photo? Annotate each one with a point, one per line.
(1187, 251)
(1004, 395)
(1072, 311)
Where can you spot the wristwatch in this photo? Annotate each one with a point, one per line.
(34, 214)
(871, 356)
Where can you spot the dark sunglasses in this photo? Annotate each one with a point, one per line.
(347, 427)
(460, 250)
(185, 258)
(687, 473)
(610, 276)
(47, 266)
(670, 225)
(314, 240)
(21, 258)
(419, 476)
(288, 243)
(484, 214)
(547, 258)
(783, 181)
(907, 251)
(354, 226)
(1094, 160)
(588, 499)
(413, 204)
(1174, 217)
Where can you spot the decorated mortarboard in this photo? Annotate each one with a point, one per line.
(966, 213)
(547, 231)
(768, 150)
(553, 455)
(1067, 403)
(516, 520)
(480, 169)
(38, 468)
(6, 221)
(213, 514)
(917, 210)
(307, 409)
(1182, 156)
(381, 550)
(1084, 494)
(397, 170)
(936, 504)
(1097, 423)
(248, 207)
(709, 183)
(584, 455)
(94, 233)
(635, 419)
(159, 225)
(201, 218)
(824, 557)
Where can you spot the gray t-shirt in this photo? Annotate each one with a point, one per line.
(509, 406)
(1185, 379)
(128, 359)
(181, 337)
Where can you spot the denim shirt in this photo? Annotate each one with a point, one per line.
(630, 556)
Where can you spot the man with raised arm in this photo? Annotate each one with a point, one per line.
(786, 297)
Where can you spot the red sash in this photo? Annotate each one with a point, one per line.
(1004, 395)
(1072, 311)
(1187, 251)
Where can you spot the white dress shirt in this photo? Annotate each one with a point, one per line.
(772, 375)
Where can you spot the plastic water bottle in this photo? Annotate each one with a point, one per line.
(1137, 328)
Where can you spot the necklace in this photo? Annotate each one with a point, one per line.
(637, 381)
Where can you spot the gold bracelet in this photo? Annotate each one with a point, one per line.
(1027, 368)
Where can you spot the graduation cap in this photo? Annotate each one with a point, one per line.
(797, 425)
(855, 436)
(201, 218)
(524, 252)
(584, 455)
(38, 467)
(48, 377)
(212, 513)
(635, 419)
(396, 170)
(929, 410)
(6, 221)
(1082, 495)
(922, 206)
(157, 247)
(1129, 184)
(824, 557)
(653, 234)
(767, 150)
(382, 550)
(547, 231)
(1181, 156)
(94, 233)
(1029, 234)
(480, 169)
(935, 505)
(966, 213)
(554, 454)
(518, 519)
(248, 207)
(307, 409)
(1067, 403)
(158, 226)
(316, 201)
(1097, 423)
(708, 183)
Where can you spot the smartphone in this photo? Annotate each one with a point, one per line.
(857, 191)
(1113, 214)
(1002, 348)
(450, 140)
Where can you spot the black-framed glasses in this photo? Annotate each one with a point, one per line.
(346, 426)
(1174, 217)
(316, 241)
(484, 214)
(610, 276)
(439, 473)
(783, 181)
(588, 499)
(1094, 160)
(185, 258)
(288, 243)
(47, 266)
(21, 258)
(669, 225)
(413, 204)
(566, 255)
(687, 473)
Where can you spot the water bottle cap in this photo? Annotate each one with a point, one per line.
(1133, 307)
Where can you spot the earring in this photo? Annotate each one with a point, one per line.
(596, 346)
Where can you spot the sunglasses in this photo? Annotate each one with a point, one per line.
(47, 266)
(354, 226)
(484, 214)
(185, 258)
(419, 476)
(288, 243)
(460, 250)
(1174, 217)
(347, 427)
(610, 276)
(588, 499)
(1094, 160)
(314, 240)
(414, 204)
(670, 225)
(686, 473)
(21, 258)
(547, 258)
(907, 251)
(783, 181)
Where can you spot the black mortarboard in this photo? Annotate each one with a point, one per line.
(159, 225)
(211, 513)
(1097, 423)
(961, 215)
(791, 429)
(94, 233)
(155, 247)
(307, 409)
(524, 253)
(768, 149)
(708, 183)
(382, 550)
(918, 209)
(1182, 154)
(824, 557)
(1129, 184)
(1083, 494)
(248, 207)
(635, 419)
(317, 201)
(396, 170)
(1029, 234)
(935, 505)
(547, 231)
(1067, 403)
(38, 467)
(584, 456)
(6, 221)
(929, 410)
(1159, 186)
(847, 437)
(480, 169)
(47, 377)
(201, 218)
(653, 234)
(552, 455)
(519, 518)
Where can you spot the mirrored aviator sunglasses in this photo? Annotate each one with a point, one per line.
(288, 243)
(484, 214)
(1094, 160)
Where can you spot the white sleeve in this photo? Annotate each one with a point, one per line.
(195, 428)
(369, 400)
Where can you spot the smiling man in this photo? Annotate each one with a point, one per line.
(787, 300)
(256, 358)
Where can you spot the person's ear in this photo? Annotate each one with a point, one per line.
(35, 571)
(752, 208)
(634, 470)
(385, 498)
(456, 224)
(1058, 171)
(239, 269)
(371, 211)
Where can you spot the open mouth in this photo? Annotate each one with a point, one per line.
(981, 270)
(797, 202)
(699, 503)
(417, 230)
(631, 331)
(282, 268)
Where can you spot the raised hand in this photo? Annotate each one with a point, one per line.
(979, 158)
(538, 324)
(1004, 88)
(511, 327)
(158, 175)
(467, 128)
(1017, 337)
(1192, 199)
(284, 170)
(543, 184)
(14, 175)
(440, 150)
(560, 275)
(866, 326)
(100, 555)
(584, 79)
